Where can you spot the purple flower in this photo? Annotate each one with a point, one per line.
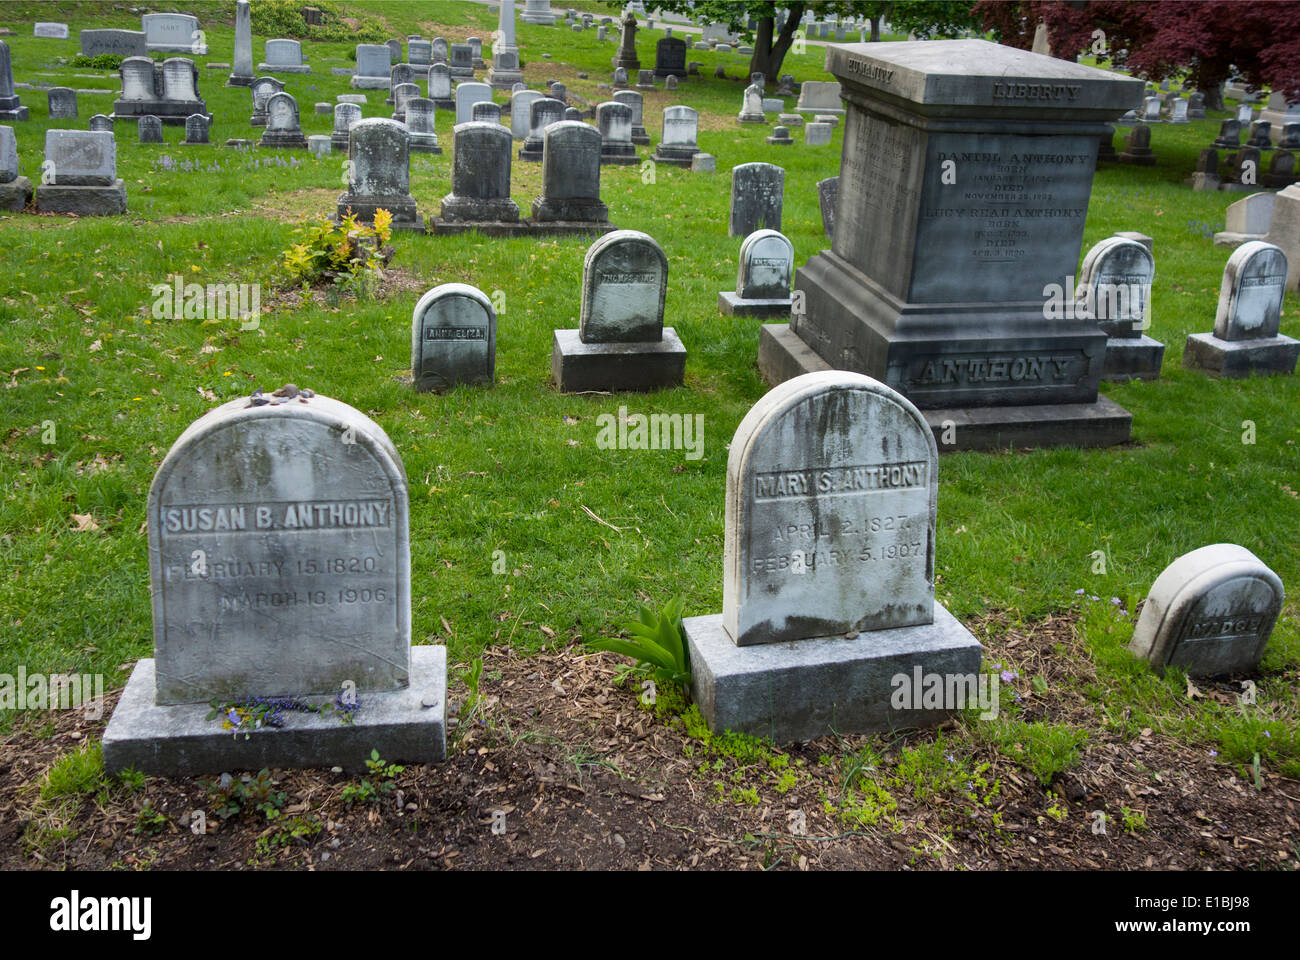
(1007, 676)
(1115, 600)
(1214, 753)
(1267, 734)
(1079, 592)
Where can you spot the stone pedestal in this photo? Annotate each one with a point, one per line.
(1240, 358)
(91, 201)
(952, 312)
(654, 365)
(1132, 358)
(16, 194)
(732, 304)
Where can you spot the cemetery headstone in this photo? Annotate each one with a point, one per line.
(828, 556)
(751, 109)
(420, 53)
(781, 136)
(757, 192)
(403, 94)
(1246, 338)
(15, 190)
(262, 89)
(468, 94)
(828, 195)
(480, 180)
(118, 43)
(670, 83)
(670, 58)
(245, 514)
(1206, 176)
(283, 56)
(51, 31)
(1116, 278)
(379, 174)
(282, 129)
(538, 12)
(1211, 612)
(626, 57)
(1196, 106)
(149, 129)
(817, 134)
(196, 131)
(319, 144)
(168, 90)
(1290, 137)
(62, 103)
(11, 107)
(101, 122)
(621, 342)
(345, 114)
(614, 121)
(819, 97)
(521, 112)
(395, 50)
(420, 113)
(80, 175)
(619, 81)
(645, 79)
(1260, 135)
(1178, 111)
(1137, 150)
(570, 195)
(1229, 135)
(1245, 170)
(485, 111)
(766, 267)
(440, 54)
(634, 100)
(677, 146)
(985, 343)
(453, 339)
(1151, 110)
(541, 113)
(440, 87)
(397, 74)
(173, 33)
(559, 92)
(374, 67)
(1247, 219)
(1281, 170)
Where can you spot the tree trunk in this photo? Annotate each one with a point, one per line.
(769, 52)
(875, 29)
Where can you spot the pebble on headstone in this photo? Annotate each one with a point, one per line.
(247, 517)
(621, 342)
(62, 103)
(379, 174)
(15, 191)
(757, 192)
(1210, 612)
(282, 128)
(80, 175)
(1246, 338)
(766, 267)
(828, 588)
(1116, 278)
(453, 339)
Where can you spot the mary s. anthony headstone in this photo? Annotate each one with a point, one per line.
(379, 174)
(677, 146)
(11, 107)
(279, 560)
(763, 278)
(1116, 279)
(79, 175)
(1246, 338)
(968, 311)
(757, 194)
(282, 126)
(15, 191)
(1210, 612)
(241, 67)
(621, 342)
(828, 586)
(453, 338)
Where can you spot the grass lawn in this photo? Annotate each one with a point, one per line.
(96, 390)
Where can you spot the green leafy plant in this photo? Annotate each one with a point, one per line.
(149, 822)
(229, 796)
(383, 772)
(102, 61)
(657, 644)
(347, 249)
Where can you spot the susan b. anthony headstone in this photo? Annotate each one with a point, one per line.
(828, 554)
(279, 564)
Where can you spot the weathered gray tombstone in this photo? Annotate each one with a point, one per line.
(149, 129)
(757, 192)
(817, 134)
(462, 61)
(440, 54)
(619, 81)
(283, 56)
(751, 109)
(420, 113)
(480, 181)
(541, 114)
(117, 43)
(1206, 175)
(645, 79)
(1246, 338)
(1281, 170)
(374, 67)
(1116, 278)
(168, 90)
(626, 57)
(521, 103)
(11, 107)
(379, 174)
(828, 195)
(829, 622)
(79, 175)
(572, 113)
(403, 94)
(1244, 171)
(637, 103)
(245, 517)
(62, 102)
(399, 73)
(420, 53)
(614, 120)
(320, 144)
(440, 87)
(539, 12)
(1290, 137)
(476, 52)
(820, 97)
(101, 122)
(241, 69)
(345, 115)
(1260, 135)
(51, 31)
(559, 91)
(677, 146)
(15, 191)
(173, 33)
(974, 324)
(262, 90)
(468, 94)
(781, 136)
(1137, 149)
(485, 111)
(1245, 114)
(1151, 110)
(196, 131)
(785, 85)
(621, 342)
(570, 197)
(1178, 111)
(1210, 612)
(670, 58)
(394, 50)
(670, 84)
(1229, 135)
(766, 268)
(1196, 106)
(282, 128)
(453, 339)
(1247, 219)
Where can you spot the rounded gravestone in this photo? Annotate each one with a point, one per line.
(453, 338)
(624, 286)
(1116, 277)
(766, 265)
(570, 174)
(830, 513)
(1250, 297)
